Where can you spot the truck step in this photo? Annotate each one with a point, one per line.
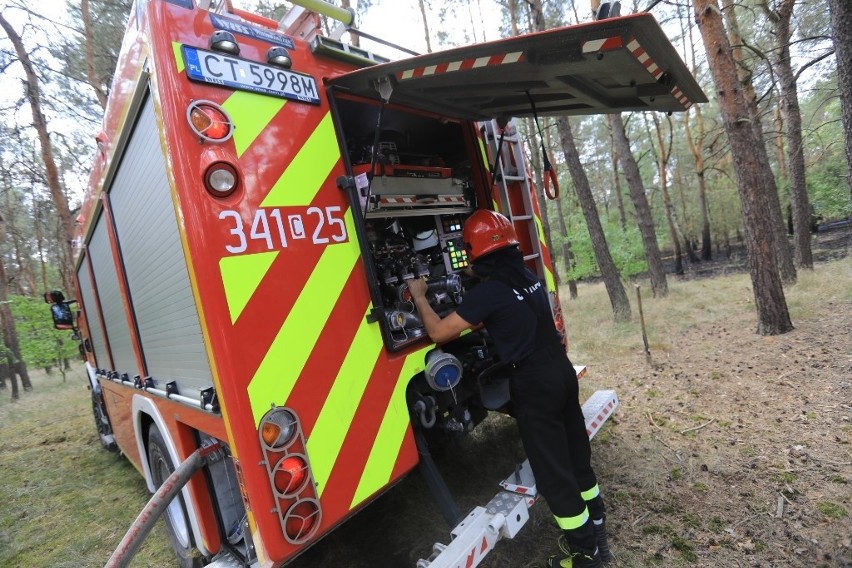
(597, 410)
(508, 511)
(226, 559)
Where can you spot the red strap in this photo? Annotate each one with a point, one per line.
(550, 177)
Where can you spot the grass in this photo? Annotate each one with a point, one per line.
(66, 502)
(689, 304)
(832, 510)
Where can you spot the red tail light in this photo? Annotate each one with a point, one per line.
(301, 520)
(290, 474)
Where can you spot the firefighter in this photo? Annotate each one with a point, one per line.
(513, 305)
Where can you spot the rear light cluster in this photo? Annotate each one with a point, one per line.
(286, 463)
(209, 121)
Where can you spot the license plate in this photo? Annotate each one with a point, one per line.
(227, 71)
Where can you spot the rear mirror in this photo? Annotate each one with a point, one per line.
(63, 317)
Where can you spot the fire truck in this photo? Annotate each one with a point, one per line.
(260, 195)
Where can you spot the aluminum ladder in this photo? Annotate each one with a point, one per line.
(511, 189)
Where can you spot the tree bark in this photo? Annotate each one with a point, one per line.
(40, 124)
(662, 158)
(425, 26)
(656, 270)
(616, 182)
(841, 33)
(10, 333)
(612, 280)
(783, 254)
(6, 371)
(749, 155)
(695, 147)
(779, 142)
(91, 69)
(567, 253)
(799, 203)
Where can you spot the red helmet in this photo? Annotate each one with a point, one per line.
(486, 231)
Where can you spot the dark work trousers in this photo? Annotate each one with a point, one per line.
(545, 398)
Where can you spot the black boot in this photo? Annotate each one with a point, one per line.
(597, 511)
(574, 557)
(603, 542)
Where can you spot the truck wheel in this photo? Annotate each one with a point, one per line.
(102, 424)
(177, 520)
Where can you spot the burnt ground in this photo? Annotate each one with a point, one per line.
(831, 241)
(730, 449)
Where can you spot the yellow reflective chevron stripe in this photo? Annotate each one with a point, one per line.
(251, 113)
(343, 400)
(575, 522)
(590, 494)
(304, 176)
(548, 273)
(389, 439)
(178, 56)
(484, 151)
(283, 363)
(241, 276)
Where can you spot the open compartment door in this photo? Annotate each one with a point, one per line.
(607, 66)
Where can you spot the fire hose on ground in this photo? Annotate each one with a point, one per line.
(141, 527)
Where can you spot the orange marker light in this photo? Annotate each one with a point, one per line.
(270, 432)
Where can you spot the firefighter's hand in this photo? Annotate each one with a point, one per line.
(417, 288)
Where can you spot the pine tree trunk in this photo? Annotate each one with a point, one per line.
(662, 172)
(612, 280)
(91, 69)
(567, 253)
(426, 33)
(695, 147)
(616, 184)
(784, 256)
(780, 158)
(6, 370)
(841, 32)
(9, 332)
(750, 160)
(792, 118)
(656, 270)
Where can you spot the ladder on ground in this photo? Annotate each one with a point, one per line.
(511, 188)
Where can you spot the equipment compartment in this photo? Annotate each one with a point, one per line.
(412, 186)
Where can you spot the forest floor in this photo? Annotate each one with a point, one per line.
(728, 449)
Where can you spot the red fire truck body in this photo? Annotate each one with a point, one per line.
(258, 199)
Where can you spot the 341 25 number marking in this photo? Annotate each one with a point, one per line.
(274, 229)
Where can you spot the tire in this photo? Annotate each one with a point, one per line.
(102, 424)
(177, 520)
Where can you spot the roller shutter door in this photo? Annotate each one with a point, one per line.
(92, 311)
(115, 318)
(168, 322)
